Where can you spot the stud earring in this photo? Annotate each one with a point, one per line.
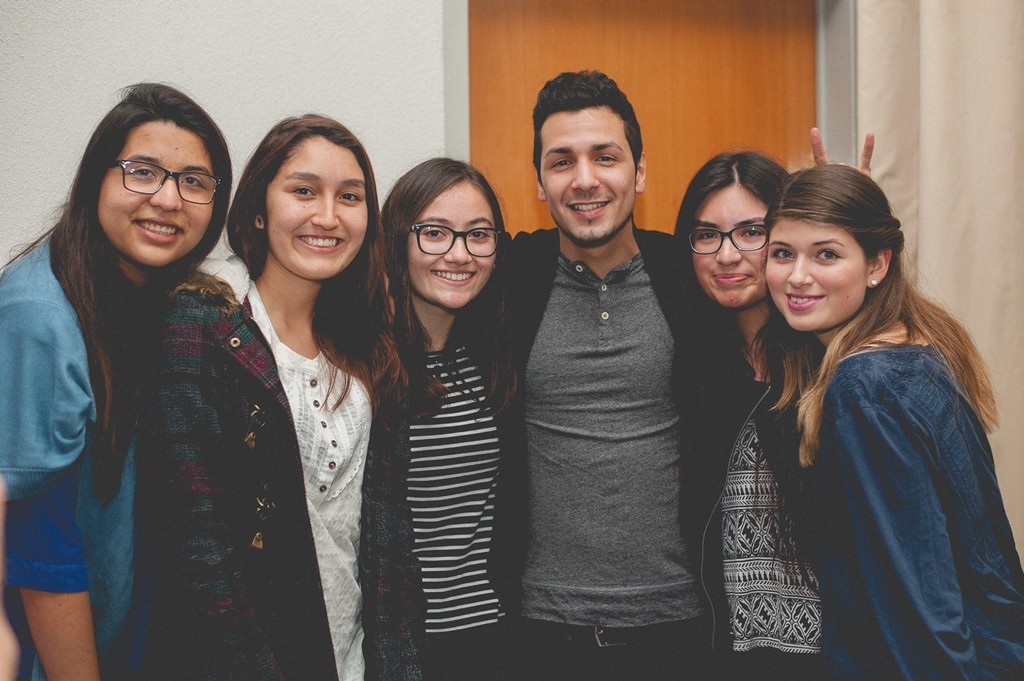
(259, 222)
(874, 282)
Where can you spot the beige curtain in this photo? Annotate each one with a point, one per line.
(941, 83)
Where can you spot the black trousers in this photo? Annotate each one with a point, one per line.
(548, 651)
(475, 654)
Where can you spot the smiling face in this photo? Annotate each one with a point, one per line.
(588, 178)
(316, 214)
(154, 230)
(444, 284)
(819, 275)
(731, 277)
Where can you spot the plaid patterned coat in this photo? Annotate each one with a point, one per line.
(237, 590)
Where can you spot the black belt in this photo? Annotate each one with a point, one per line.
(607, 637)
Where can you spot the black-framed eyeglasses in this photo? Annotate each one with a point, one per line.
(438, 239)
(708, 240)
(148, 178)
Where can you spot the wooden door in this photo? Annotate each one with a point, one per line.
(704, 76)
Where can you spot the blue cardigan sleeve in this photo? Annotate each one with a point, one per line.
(891, 599)
(46, 409)
(47, 405)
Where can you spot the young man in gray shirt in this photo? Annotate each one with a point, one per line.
(598, 313)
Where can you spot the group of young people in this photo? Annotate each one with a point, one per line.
(390, 442)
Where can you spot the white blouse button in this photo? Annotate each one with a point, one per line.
(604, 316)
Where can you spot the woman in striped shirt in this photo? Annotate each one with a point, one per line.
(435, 578)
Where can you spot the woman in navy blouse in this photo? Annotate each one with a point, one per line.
(919, 575)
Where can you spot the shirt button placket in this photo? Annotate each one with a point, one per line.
(603, 288)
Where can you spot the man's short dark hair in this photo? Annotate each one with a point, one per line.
(578, 90)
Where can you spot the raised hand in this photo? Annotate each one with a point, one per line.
(821, 158)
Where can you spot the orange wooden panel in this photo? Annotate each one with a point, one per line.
(703, 77)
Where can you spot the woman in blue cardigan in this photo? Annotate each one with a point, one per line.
(79, 315)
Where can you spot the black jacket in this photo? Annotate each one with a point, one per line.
(717, 396)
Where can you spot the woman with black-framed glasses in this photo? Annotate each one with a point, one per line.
(436, 579)
(741, 479)
(743, 489)
(80, 310)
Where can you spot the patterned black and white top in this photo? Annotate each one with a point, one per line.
(452, 476)
(772, 602)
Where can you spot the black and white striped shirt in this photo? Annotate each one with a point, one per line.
(452, 476)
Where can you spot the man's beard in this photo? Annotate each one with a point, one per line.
(587, 241)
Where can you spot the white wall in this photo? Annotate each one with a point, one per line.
(378, 67)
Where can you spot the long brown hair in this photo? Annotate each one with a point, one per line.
(353, 315)
(86, 264)
(481, 324)
(844, 197)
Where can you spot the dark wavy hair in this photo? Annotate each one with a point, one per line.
(755, 172)
(86, 265)
(353, 315)
(481, 324)
(578, 90)
(763, 177)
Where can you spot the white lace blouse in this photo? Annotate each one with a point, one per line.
(333, 445)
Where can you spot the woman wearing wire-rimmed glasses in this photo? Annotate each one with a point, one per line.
(79, 312)
(436, 580)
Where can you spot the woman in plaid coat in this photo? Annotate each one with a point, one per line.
(254, 449)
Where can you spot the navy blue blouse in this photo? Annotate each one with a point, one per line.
(919, 575)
